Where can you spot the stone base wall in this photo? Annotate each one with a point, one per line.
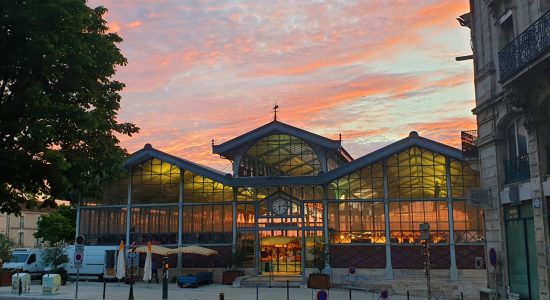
(469, 283)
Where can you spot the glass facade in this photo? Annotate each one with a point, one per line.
(280, 155)
(417, 173)
(374, 208)
(155, 181)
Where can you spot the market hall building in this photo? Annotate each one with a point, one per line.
(291, 190)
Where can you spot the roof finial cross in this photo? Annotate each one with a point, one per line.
(275, 111)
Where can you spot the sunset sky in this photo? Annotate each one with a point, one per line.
(370, 70)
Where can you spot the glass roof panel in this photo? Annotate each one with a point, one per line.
(279, 155)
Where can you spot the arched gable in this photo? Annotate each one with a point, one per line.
(412, 173)
(279, 155)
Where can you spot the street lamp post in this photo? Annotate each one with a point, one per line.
(132, 255)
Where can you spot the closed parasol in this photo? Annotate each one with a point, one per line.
(121, 263)
(148, 267)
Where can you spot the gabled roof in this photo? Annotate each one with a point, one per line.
(148, 152)
(273, 127)
(411, 141)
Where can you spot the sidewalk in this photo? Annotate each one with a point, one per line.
(94, 290)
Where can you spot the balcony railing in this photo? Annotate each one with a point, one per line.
(469, 143)
(516, 169)
(525, 48)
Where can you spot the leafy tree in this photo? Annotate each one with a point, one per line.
(58, 102)
(56, 227)
(319, 254)
(68, 212)
(6, 246)
(54, 258)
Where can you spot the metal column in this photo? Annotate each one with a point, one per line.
(389, 268)
(129, 209)
(180, 219)
(453, 271)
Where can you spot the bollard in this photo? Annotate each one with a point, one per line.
(104, 286)
(287, 291)
(407, 294)
(222, 296)
(461, 296)
(20, 286)
(165, 267)
(349, 294)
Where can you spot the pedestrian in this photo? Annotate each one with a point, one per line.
(154, 272)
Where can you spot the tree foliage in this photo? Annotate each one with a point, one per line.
(58, 102)
(54, 258)
(319, 252)
(6, 246)
(57, 227)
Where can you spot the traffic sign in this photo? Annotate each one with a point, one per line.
(78, 256)
(322, 295)
(79, 240)
(493, 257)
(425, 227)
(424, 231)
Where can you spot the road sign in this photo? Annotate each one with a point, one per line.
(425, 227)
(78, 256)
(79, 240)
(424, 231)
(493, 257)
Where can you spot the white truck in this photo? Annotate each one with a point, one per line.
(27, 260)
(93, 262)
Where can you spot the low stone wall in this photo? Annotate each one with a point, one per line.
(414, 281)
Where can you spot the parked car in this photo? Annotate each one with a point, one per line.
(27, 260)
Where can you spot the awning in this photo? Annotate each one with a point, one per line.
(278, 240)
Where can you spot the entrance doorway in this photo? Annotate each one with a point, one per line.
(281, 252)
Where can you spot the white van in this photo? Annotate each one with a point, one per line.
(28, 260)
(93, 262)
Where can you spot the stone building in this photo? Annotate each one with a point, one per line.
(290, 191)
(20, 229)
(511, 45)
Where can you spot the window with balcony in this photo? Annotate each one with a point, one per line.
(517, 163)
(506, 30)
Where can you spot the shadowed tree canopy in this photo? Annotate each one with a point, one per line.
(58, 104)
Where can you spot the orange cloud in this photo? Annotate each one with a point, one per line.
(203, 70)
(134, 24)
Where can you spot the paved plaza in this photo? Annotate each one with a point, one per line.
(142, 291)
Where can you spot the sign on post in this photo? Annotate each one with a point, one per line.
(78, 256)
(424, 231)
(78, 251)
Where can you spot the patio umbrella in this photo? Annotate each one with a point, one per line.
(121, 264)
(195, 250)
(148, 268)
(155, 249)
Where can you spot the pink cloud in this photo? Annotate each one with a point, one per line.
(202, 70)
